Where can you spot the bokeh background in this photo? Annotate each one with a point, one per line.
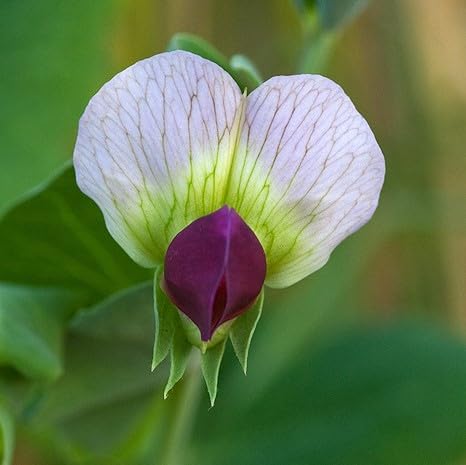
(363, 362)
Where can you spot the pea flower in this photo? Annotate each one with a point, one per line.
(229, 192)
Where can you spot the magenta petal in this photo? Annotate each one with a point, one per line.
(214, 269)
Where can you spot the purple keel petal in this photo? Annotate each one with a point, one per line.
(214, 269)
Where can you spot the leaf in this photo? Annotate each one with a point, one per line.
(246, 72)
(179, 356)
(210, 364)
(56, 237)
(165, 318)
(240, 68)
(122, 317)
(107, 401)
(389, 395)
(56, 257)
(197, 45)
(242, 331)
(122, 328)
(31, 330)
(7, 436)
(46, 82)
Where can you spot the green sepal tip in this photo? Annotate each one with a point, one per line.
(243, 328)
(179, 356)
(165, 318)
(174, 336)
(210, 364)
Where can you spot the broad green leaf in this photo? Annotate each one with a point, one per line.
(389, 395)
(122, 326)
(56, 257)
(107, 403)
(7, 436)
(246, 71)
(32, 324)
(165, 319)
(210, 364)
(122, 317)
(56, 237)
(242, 331)
(179, 356)
(46, 81)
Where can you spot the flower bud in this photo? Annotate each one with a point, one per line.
(214, 270)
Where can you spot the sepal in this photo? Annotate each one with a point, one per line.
(177, 335)
(193, 335)
(242, 331)
(179, 356)
(165, 318)
(210, 364)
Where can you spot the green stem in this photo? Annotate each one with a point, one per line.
(180, 427)
(318, 47)
(7, 436)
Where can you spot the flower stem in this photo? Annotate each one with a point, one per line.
(317, 50)
(183, 416)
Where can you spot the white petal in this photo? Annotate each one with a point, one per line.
(154, 149)
(307, 173)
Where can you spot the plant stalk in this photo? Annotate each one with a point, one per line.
(187, 402)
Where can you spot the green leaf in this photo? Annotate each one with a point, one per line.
(56, 237)
(337, 13)
(246, 72)
(7, 436)
(240, 68)
(242, 331)
(390, 395)
(46, 81)
(210, 364)
(56, 257)
(123, 316)
(107, 403)
(179, 356)
(31, 329)
(122, 327)
(197, 45)
(165, 319)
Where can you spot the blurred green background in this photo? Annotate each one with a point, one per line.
(363, 362)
